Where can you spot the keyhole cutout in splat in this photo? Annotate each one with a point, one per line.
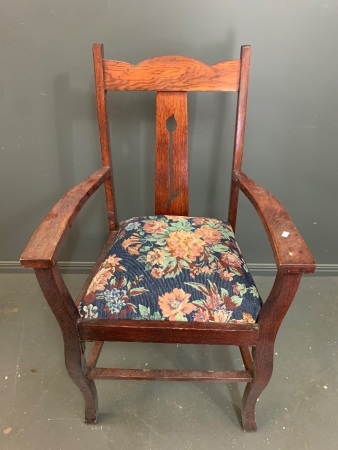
(171, 125)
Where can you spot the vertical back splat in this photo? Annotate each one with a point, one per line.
(171, 190)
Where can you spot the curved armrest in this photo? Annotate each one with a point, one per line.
(290, 251)
(42, 248)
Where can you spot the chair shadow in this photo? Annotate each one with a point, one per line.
(175, 357)
(211, 389)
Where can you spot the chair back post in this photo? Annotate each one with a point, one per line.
(239, 133)
(101, 104)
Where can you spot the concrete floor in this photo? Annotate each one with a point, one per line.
(41, 408)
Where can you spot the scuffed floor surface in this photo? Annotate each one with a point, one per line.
(41, 409)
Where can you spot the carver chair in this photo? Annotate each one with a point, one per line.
(170, 277)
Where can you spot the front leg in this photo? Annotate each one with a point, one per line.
(269, 321)
(263, 366)
(66, 313)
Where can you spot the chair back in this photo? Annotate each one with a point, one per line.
(172, 77)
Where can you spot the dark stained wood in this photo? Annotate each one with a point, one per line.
(290, 251)
(171, 73)
(94, 355)
(231, 376)
(269, 321)
(41, 251)
(66, 313)
(242, 101)
(101, 105)
(242, 107)
(171, 188)
(172, 77)
(247, 358)
(168, 332)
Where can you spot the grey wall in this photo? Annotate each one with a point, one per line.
(49, 139)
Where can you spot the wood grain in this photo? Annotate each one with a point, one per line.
(241, 110)
(41, 251)
(231, 376)
(103, 123)
(244, 335)
(171, 73)
(171, 185)
(291, 252)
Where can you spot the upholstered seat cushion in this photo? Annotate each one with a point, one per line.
(173, 268)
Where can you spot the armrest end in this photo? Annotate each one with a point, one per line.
(290, 250)
(41, 251)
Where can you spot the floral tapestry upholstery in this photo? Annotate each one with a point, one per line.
(173, 268)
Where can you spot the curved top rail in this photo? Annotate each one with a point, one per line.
(171, 73)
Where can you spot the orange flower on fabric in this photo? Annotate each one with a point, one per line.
(100, 280)
(134, 250)
(225, 275)
(132, 240)
(175, 303)
(229, 259)
(175, 218)
(247, 318)
(222, 316)
(112, 262)
(185, 245)
(209, 235)
(213, 301)
(200, 220)
(156, 272)
(201, 316)
(132, 244)
(155, 226)
(155, 256)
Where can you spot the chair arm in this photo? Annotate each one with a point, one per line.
(43, 246)
(289, 249)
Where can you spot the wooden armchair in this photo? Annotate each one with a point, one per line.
(170, 277)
